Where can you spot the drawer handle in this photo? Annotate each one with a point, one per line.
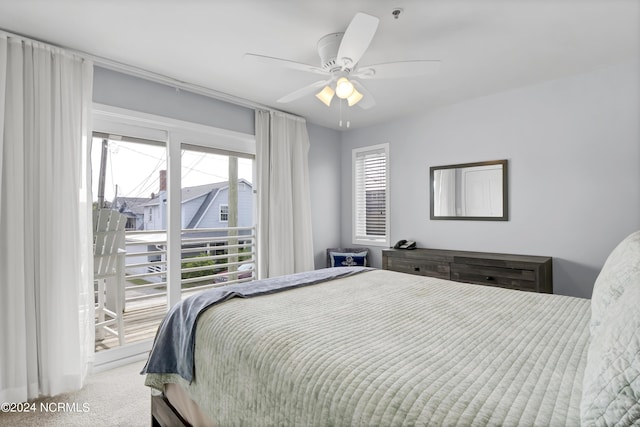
(489, 278)
(416, 268)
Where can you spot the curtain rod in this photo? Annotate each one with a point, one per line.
(152, 76)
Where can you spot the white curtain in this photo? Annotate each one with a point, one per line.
(285, 243)
(46, 309)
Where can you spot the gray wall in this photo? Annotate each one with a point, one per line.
(325, 180)
(125, 91)
(574, 160)
(572, 145)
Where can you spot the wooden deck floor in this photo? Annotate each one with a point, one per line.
(141, 322)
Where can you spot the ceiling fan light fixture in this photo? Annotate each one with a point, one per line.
(326, 95)
(354, 98)
(344, 88)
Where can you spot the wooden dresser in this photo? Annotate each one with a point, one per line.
(522, 272)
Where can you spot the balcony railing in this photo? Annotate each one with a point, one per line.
(210, 257)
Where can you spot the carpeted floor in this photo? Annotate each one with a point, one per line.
(117, 397)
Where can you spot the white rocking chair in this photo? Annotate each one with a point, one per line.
(108, 271)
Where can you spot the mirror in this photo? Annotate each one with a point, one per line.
(471, 191)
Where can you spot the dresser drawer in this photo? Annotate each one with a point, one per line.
(419, 267)
(522, 272)
(512, 278)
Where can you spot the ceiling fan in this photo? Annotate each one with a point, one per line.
(340, 54)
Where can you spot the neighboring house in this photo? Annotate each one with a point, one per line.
(133, 209)
(203, 206)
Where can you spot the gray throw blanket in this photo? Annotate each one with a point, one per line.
(173, 347)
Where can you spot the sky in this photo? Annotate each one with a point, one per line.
(135, 168)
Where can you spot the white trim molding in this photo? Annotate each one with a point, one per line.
(116, 120)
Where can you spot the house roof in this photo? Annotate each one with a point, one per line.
(190, 193)
(134, 205)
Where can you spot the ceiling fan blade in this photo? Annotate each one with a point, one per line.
(304, 91)
(284, 63)
(402, 69)
(356, 39)
(367, 101)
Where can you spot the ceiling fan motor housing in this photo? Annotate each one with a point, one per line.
(328, 50)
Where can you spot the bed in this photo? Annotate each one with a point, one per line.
(382, 348)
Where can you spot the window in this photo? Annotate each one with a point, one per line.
(370, 166)
(224, 213)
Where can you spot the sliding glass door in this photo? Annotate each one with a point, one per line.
(184, 193)
(214, 225)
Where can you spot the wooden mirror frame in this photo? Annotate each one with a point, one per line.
(505, 199)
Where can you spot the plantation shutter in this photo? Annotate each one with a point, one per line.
(370, 194)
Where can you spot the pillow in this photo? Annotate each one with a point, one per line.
(611, 384)
(621, 269)
(348, 259)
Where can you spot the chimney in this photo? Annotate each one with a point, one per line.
(163, 180)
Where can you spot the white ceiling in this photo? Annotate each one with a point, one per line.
(486, 46)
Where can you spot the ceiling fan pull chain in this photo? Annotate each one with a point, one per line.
(348, 121)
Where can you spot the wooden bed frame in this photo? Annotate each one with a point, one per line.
(163, 414)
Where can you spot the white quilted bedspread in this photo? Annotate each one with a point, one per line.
(385, 349)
